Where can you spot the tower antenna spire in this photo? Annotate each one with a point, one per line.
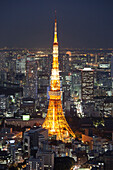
(55, 31)
(55, 15)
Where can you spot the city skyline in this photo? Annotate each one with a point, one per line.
(28, 24)
(56, 111)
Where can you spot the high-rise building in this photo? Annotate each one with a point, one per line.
(30, 89)
(87, 83)
(21, 64)
(55, 120)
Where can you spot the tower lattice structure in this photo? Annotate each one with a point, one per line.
(55, 120)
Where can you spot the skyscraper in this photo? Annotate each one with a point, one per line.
(55, 120)
(87, 84)
(30, 89)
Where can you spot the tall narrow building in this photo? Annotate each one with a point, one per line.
(55, 120)
(87, 84)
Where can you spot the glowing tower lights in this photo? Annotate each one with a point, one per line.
(55, 120)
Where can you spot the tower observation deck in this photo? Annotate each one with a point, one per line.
(55, 120)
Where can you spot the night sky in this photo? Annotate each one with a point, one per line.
(81, 23)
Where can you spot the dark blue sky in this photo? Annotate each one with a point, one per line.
(81, 23)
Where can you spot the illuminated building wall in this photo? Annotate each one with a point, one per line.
(21, 64)
(87, 83)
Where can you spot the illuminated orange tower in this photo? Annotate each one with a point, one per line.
(55, 120)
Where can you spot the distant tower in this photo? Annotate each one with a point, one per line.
(55, 120)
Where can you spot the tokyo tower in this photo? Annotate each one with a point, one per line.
(55, 120)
